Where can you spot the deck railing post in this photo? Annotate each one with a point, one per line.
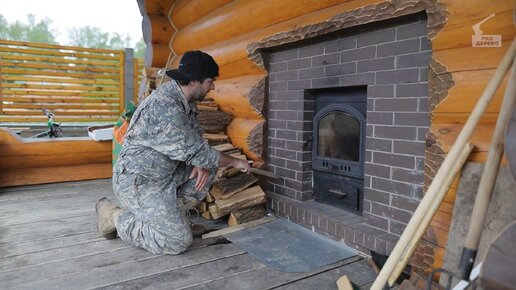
(128, 75)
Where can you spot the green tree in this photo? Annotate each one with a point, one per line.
(139, 49)
(33, 31)
(94, 37)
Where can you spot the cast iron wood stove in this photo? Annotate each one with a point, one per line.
(338, 149)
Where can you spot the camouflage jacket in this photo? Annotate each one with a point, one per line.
(164, 131)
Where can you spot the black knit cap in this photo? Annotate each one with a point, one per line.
(193, 66)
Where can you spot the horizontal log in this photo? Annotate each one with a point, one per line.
(248, 135)
(460, 118)
(459, 59)
(233, 52)
(468, 88)
(155, 6)
(242, 67)
(460, 35)
(187, 11)
(232, 20)
(156, 29)
(241, 97)
(476, 10)
(20, 153)
(156, 55)
(446, 134)
(41, 175)
(243, 199)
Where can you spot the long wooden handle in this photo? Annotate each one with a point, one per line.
(456, 167)
(444, 170)
(488, 179)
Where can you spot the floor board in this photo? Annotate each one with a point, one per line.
(48, 240)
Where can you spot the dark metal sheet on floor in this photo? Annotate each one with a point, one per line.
(288, 247)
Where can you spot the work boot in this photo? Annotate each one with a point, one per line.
(107, 213)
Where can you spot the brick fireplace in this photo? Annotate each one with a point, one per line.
(382, 67)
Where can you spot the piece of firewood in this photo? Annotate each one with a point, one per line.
(224, 147)
(215, 212)
(213, 121)
(215, 137)
(246, 215)
(207, 215)
(239, 227)
(226, 187)
(209, 198)
(202, 207)
(245, 198)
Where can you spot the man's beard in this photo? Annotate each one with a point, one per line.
(200, 97)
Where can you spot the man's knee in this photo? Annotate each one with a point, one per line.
(176, 244)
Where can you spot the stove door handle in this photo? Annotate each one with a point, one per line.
(343, 194)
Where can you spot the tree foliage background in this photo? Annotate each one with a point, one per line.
(40, 31)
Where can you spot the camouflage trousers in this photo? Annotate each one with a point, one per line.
(153, 211)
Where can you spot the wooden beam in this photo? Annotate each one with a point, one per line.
(240, 227)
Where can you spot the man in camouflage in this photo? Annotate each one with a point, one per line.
(164, 167)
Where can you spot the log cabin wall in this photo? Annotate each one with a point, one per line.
(457, 76)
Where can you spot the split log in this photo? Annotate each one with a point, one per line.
(209, 198)
(233, 19)
(203, 207)
(246, 215)
(247, 135)
(245, 198)
(213, 121)
(186, 12)
(156, 29)
(227, 187)
(242, 96)
(215, 212)
(224, 147)
(207, 215)
(215, 137)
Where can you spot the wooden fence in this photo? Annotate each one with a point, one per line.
(77, 84)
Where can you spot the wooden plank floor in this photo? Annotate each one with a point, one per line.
(48, 240)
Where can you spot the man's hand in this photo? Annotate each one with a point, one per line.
(202, 176)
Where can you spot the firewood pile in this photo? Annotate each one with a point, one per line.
(234, 195)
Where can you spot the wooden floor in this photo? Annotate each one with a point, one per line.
(48, 240)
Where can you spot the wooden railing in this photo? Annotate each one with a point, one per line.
(138, 77)
(77, 84)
